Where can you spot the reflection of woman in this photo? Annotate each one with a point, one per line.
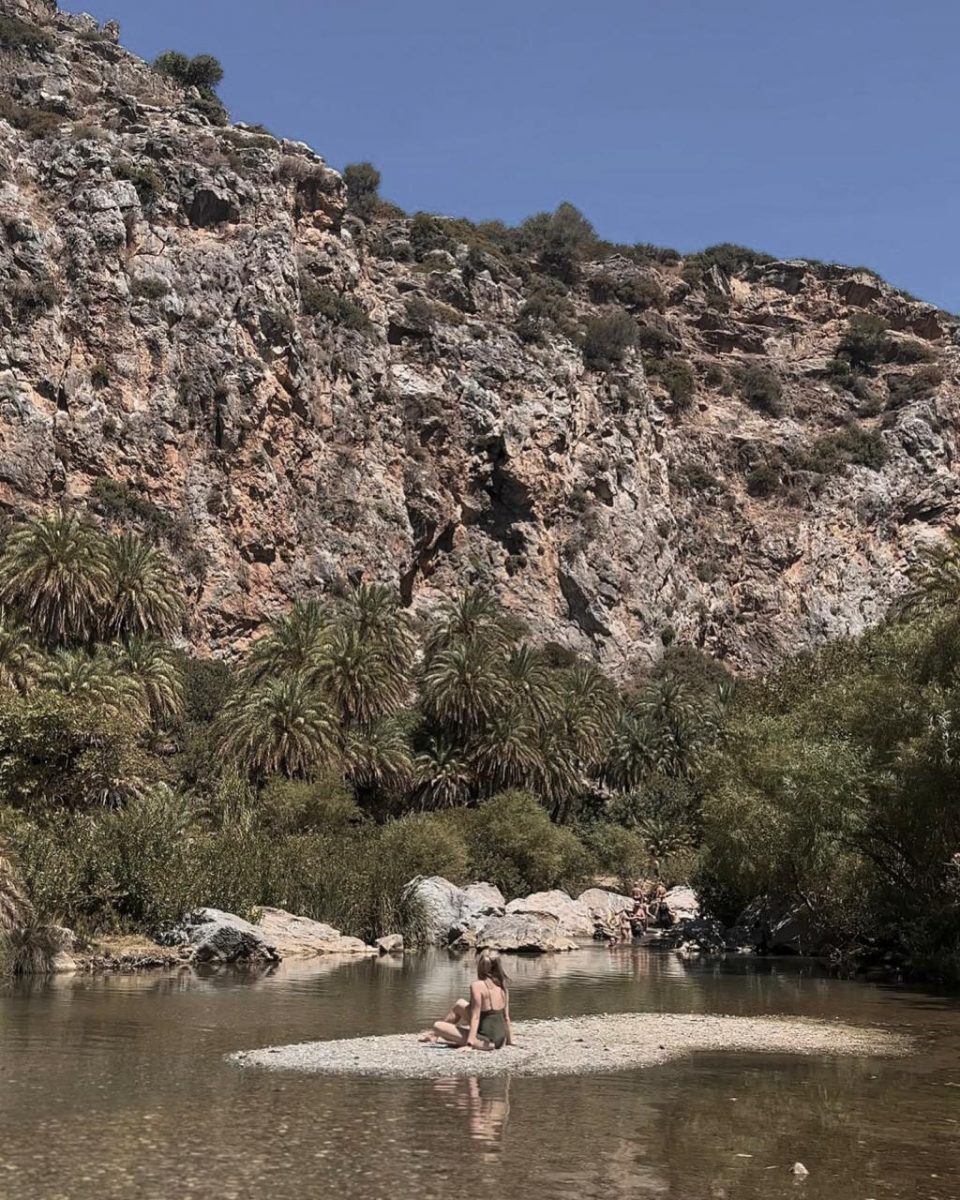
(486, 1102)
(483, 1021)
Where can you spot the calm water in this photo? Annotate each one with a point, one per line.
(118, 1087)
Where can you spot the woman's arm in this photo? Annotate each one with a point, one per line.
(506, 1019)
(476, 999)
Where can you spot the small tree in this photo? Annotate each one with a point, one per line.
(363, 184)
(607, 338)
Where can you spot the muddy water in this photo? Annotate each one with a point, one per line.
(118, 1087)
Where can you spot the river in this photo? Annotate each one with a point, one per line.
(118, 1086)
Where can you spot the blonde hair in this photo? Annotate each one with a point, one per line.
(490, 966)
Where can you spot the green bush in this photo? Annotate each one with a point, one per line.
(618, 851)
(853, 444)
(318, 300)
(763, 481)
(515, 845)
(919, 385)
(362, 181)
(35, 122)
(677, 377)
(865, 342)
(17, 34)
(607, 338)
(149, 287)
(635, 292)
(760, 387)
(727, 257)
(314, 806)
(546, 310)
(148, 182)
(203, 71)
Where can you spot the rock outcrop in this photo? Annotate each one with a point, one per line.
(222, 937)
(574, 919)
(524, 933)
(448, 911)
(299, 937)
(197, 337)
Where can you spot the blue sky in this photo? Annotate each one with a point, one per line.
(824, 128)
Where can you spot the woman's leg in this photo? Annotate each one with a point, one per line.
(448, 1032)
(456, 1016)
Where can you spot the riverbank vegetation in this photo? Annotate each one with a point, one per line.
(355, 746)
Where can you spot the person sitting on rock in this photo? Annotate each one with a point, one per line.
(657, 908)
(483, 1021)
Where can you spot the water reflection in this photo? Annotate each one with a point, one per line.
(117, 1087)
(486, 1105)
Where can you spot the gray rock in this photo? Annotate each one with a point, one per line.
(299, 937)
(392, 943)
(524, 933)
(574, 918)
(222, 937)
(450, 911)
(682, 904)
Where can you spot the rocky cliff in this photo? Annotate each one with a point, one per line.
(198, 338)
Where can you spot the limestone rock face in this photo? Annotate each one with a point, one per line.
(450, 911)
(573, 917)
(604, 906)
(196, 336)
(222, 937)
(524, 933)
(682, 904)
(299, 937)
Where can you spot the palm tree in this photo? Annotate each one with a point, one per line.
(505, 753)
(19, 660)
(666, 707)
(279, 726)
(144, 596)
(444, 776)
(473, 616)
(153, 667)
(378, 755)
(373, 612)
(558, 775)
(587, 712)
(463, 684)
(93, 680)
(532, 684)
(294, 643)
(358, 677)
(54, 572)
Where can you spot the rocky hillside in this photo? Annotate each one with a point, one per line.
(202, 339)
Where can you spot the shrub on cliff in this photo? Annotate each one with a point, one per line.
(362, 181)
(760, 387)
(607, 338)
(203, 71)
(865, 342)
(920, 385)
(18, 34)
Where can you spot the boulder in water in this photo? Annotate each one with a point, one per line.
(222, 937)
(524, 933)
(682, 904)
(392, 943)
(449, 911)
(300, 937)
(574, 918)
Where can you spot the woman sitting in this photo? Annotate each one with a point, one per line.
(483, 1021)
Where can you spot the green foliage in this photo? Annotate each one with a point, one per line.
(634, 292)
(919, 385)
(148, 181)
(18, 34)
(865, 342)
(363, 184)
(318, 300)
(35, 122)
(561, 240)
(607, 338)
(760, 387)
(546, 310)
(677, 377)
(515, 846)
(727, 257)
(203, 71)
(763, 481)
(852, 444)
(149, 287)
(54, 570)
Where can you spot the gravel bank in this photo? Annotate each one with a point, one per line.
(579, 1045)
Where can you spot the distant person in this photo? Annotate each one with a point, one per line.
(483, 1021)
(657, 909)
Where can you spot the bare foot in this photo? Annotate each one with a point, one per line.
(428, 1036)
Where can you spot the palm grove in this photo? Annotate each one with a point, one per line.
(357, 746)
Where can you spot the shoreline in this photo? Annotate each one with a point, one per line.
(580, 1045)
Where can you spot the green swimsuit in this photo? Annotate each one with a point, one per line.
(493, 1027)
